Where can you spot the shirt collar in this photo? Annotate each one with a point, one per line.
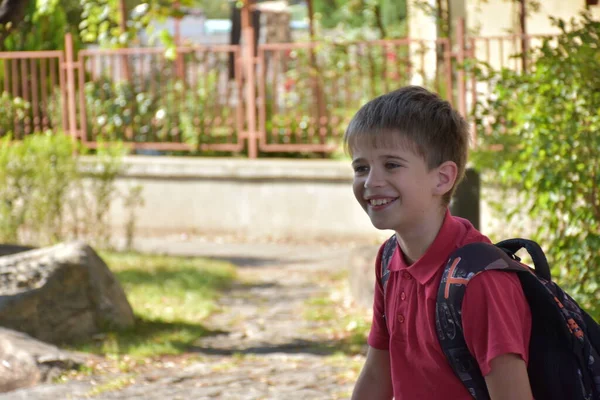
(436, 255)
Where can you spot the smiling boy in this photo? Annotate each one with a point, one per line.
(409, 152)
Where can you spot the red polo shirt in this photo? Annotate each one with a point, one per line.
(496, 318)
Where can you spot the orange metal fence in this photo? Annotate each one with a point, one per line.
(32, 92)
(292, 97)
(308, 92)
(142, 98)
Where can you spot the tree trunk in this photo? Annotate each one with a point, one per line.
(523, 29)
(123, 25)
(379, 21)
(12, 12)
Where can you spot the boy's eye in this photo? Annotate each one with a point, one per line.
(392, 165)
(360, 169)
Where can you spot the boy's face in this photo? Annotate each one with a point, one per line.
(394, 185)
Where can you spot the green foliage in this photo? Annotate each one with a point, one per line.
(34, 177)
(355, 17)
(547, 124)
(140, 113)
(101, 190)
(44, 26)
(14, 109)
(214, 9)
(91, 21)
(44, 196)
(116, 108)
(101, 21)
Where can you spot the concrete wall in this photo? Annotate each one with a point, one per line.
(266, 199)
(306, 200)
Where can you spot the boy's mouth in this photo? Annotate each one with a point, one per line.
(381, 202)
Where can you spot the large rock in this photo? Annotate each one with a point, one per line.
(25, 361)
(17, 367)
(61, 294)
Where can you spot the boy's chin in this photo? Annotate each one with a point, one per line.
(383, 225)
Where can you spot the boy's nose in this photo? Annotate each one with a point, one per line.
(373, 180)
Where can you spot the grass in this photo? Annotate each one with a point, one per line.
(351, 366)
(170, 297)
(116, 384)
(345, 324)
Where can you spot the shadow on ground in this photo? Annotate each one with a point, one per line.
(249, 262)
(147, 336)
(323, 348)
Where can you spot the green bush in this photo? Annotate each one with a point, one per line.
(115, 110)
(34, 175)
(45, 195)
(546, 124)
(127, 111)
(14, 111)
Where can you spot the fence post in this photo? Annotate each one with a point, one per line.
(249, 63)
(70, 66)
(462, 84)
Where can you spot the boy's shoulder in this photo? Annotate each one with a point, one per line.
(470, 233)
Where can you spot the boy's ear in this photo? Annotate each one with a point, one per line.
(447, 173)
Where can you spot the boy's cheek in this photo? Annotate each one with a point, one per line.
(358, 191)
(358, 186)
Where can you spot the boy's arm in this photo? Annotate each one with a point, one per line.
(497, 330)
(508, 379)
(375, 381)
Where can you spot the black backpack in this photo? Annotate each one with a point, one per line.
(564, 351)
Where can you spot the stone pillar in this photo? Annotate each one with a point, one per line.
(466, 200)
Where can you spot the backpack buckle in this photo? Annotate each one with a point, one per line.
(511, 254)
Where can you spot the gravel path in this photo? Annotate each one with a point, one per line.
(267, 349)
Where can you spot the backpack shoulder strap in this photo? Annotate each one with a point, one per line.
(386, 258)
(464, 264)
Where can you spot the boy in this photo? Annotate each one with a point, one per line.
(409, 151)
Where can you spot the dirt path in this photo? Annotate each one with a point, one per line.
(267, 350)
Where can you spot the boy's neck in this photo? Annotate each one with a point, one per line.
(417, 241)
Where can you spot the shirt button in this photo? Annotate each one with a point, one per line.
(401, 318)
(406, 275)
(403, 296)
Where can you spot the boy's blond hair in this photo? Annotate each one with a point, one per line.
(415, 117)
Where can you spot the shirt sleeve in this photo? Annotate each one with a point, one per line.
(379, 337)
(496, 318)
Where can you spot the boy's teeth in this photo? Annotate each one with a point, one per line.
(379, 202)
